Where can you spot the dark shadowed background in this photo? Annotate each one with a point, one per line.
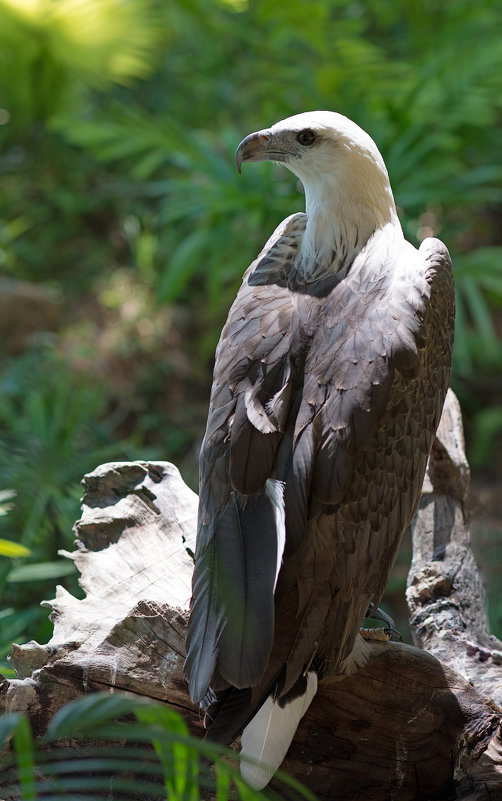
(125, 228)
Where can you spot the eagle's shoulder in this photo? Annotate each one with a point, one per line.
(261, 297)
(258, 324)
(435, 255)
(423, 298)
(274, 262)
(438, 272)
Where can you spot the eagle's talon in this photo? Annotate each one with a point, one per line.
(379, 634)
(390, 630)
(393, 634)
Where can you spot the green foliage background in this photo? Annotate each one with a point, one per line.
(118, 123)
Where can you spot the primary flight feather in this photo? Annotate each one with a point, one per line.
(329, 381)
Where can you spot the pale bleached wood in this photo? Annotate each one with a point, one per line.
(133, 545)
(406, 728)
(444, 593)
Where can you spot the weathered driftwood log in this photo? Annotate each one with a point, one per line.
(408, 727)
(445, 596)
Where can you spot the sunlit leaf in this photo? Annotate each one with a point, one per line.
(13, 549)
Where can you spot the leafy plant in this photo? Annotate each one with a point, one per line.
(50, 50)
(54, 207)
(7, 547)
(478, 277)
(150, 755)
(48, 415)
(200, 222)
(49, 437)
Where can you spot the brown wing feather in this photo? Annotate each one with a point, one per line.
(230, 633)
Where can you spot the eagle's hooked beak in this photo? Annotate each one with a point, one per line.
(259, 146)
(252, 148)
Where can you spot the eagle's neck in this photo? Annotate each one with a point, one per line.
(340, 221)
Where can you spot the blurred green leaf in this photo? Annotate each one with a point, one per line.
(179, 761)
(13, 549)
(41, 571)
(88, 714)
(23, 744)
(487, 434)
(183, 264)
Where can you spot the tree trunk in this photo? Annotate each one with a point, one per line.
(411, 726)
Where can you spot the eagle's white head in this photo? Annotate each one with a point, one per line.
(347, 190)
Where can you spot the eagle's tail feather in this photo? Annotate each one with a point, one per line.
(267, 737)
(357, 658)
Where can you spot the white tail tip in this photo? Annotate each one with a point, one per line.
(267, 737)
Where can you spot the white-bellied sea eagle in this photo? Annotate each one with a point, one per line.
(330, 377)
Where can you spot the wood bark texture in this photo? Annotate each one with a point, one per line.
(413, 725)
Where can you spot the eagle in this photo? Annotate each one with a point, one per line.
(329, 382)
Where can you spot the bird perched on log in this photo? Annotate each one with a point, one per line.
(329, 381)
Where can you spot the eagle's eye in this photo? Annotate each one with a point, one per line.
(306, 137)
